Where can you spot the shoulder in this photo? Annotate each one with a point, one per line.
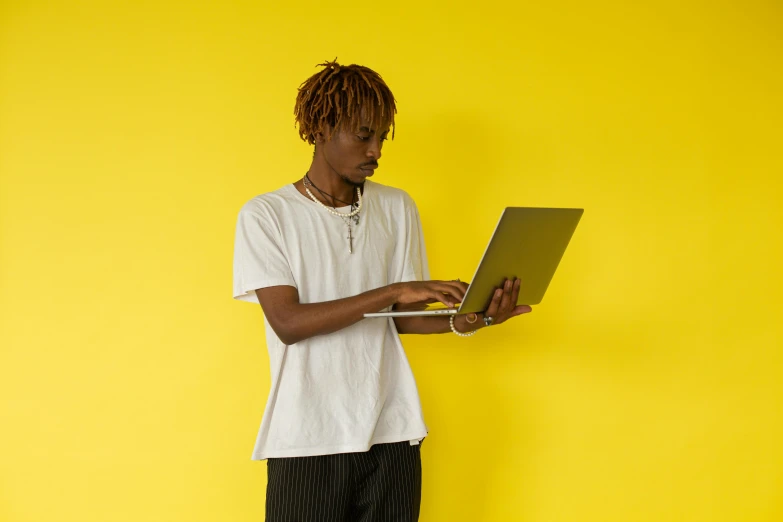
(392, 195)
(274, 203)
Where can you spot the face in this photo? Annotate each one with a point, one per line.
(354, 155)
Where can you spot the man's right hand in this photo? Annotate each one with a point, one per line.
(447, 292)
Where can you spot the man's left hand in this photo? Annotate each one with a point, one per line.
(504, 303)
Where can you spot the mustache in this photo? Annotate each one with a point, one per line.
(373, 164)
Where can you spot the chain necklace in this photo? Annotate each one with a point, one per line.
(353, 215)
(351, 204)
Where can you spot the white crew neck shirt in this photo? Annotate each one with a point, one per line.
(345, 391)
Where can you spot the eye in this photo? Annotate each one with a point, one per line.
(365, 138)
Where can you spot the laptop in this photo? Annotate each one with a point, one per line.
(528, 243)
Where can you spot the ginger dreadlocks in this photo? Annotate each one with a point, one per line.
(338, 95)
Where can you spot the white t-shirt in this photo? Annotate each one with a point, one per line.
(345, 391)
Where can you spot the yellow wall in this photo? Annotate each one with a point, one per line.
(647, 385)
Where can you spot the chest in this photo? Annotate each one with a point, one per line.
(331, 258)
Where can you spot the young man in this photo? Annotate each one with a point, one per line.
(343, 423)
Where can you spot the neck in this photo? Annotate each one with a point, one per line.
(328, 180)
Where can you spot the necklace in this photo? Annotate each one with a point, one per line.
(352, 204)
(325, 194)
(345, 217)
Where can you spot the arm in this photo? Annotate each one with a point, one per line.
(294, 322)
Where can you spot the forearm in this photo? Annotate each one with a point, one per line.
(302, 321)
(436, 324)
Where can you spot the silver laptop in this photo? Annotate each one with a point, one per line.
(528, 243)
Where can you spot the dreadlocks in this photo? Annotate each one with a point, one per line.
(337, 96)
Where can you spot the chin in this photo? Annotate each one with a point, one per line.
(353, 182)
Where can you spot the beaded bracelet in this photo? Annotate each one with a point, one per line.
(451, 323)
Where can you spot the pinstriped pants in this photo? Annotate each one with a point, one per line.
(380, 485)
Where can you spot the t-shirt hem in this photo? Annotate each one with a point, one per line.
(331, 450)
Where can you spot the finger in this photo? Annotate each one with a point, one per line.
(455, 283)
(492, 309)
(457, 289)
(443, 294)
(521, 309)
(426, 301)
(418, 305)
(515, 292)
(505, 300)
(509, 300)
(444, 298)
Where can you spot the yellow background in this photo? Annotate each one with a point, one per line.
(647, 385)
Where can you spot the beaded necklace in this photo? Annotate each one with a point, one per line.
(354, 214)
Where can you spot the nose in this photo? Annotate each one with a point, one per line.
(374, 148)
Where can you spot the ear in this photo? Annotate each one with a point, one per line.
(325, 135)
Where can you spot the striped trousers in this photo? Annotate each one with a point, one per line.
(380, 485)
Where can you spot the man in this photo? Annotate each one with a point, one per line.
(343, 423)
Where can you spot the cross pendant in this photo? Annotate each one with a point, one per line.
(350, 240)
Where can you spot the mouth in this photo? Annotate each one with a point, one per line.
(368, 170)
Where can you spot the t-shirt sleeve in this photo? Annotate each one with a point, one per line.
(415, 266)
(259, 257)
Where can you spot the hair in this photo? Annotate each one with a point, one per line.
(337, 95)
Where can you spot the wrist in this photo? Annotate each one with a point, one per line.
(395, 292)
(462, 324)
